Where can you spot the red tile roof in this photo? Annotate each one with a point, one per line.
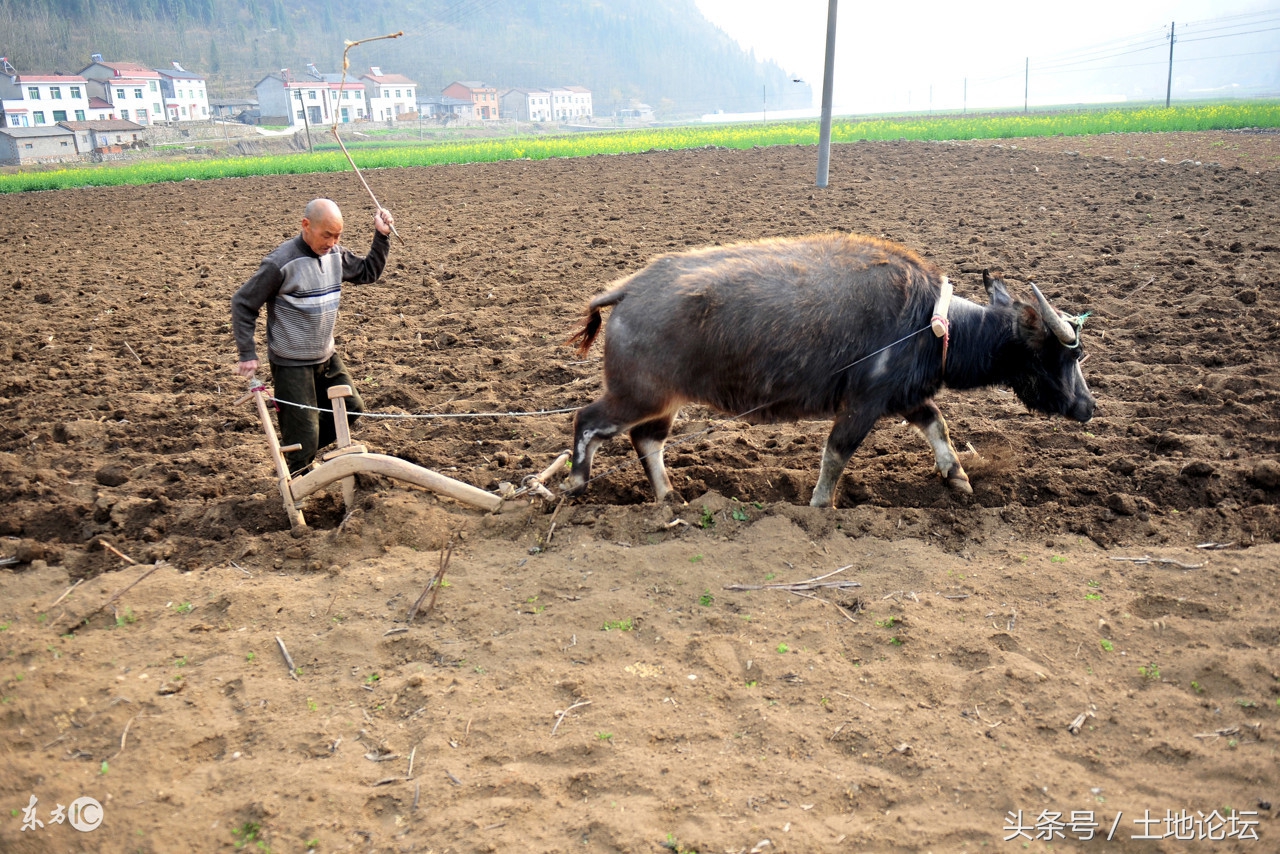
(393, 79)
(50, 78)
(129, 69)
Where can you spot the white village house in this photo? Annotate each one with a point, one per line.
(570, 102)
(389, 95)
(33, 100)
(132, 90)
(526, 105)
(311, 100)
(186, 98)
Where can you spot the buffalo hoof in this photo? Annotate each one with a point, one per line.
(571, 489)
(958, 481)
(673, 499)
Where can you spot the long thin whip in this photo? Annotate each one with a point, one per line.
(346, 63)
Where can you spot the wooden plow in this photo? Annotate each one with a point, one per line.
(348, 459)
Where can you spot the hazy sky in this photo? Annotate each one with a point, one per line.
(888, 55)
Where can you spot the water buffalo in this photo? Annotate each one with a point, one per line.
(830, 325)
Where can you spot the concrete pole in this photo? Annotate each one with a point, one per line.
(1026, 86)
(828, 83)
(1168, 92)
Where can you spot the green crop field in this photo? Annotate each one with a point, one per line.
(383, 154)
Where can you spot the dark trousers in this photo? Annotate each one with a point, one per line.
(309, 385)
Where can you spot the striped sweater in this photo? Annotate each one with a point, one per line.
(301, 291)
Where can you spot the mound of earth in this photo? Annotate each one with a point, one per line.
(1088, 640)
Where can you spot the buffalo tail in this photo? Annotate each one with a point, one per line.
(589, 327)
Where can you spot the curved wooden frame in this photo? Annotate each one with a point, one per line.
(349, 460)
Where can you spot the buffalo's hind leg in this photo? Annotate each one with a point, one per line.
(648, 438)
(592, 424)
(847, 433)
(605, 418)
(929, 421)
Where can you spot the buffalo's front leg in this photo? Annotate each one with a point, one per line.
(929, 421)
(847, 433)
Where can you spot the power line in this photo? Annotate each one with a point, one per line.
(1184, 39)
(1072, 61)
(1161, 63)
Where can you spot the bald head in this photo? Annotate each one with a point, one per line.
(321, 225)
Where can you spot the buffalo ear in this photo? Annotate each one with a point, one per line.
(996, 291)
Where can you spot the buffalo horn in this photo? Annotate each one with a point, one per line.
(1061, 329)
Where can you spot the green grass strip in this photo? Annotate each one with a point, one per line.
(388, 154)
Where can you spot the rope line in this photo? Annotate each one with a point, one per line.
(409, 415)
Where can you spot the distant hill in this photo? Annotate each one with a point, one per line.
(661, 52)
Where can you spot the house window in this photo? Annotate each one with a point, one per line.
(75, 91)
(204, 111)
(124, 115)
(79, 115)
(27, 146)
(155, 108)
(184, 111)
(386, 93)
(153, 87)
(408, 93)
(64, 143)
(298, 95)
(312, 94)
(137, 93)
(300, 115)
(55, 92)
(38, 117)
(397, 93)
(120, 94)
(33, 92)
(59, 115)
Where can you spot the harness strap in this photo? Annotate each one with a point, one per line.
(940, 324)
(938, 321)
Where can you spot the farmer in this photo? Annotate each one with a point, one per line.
(301, 284)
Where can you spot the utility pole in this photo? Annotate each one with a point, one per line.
(306, 123)
(284, 76)
(828, 82)
(1026, 86)
(1168, 92)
